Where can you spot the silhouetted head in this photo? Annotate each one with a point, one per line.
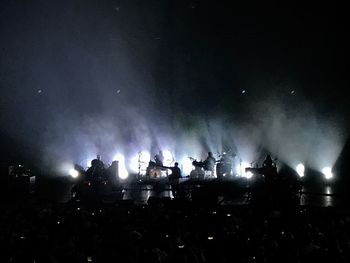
(94, 162)
(176, 164)
(268, 158)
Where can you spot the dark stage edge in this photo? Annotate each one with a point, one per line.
(232, 192)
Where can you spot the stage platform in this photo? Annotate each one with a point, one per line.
(229, 191)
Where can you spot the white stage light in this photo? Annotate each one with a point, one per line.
(118, 157)
(168, 158)
(74, 173)
(327, 171)
(300, 169)
(123, 173)
(145, 157)
(186, 166)
(240, 169)
(248, 175)
(134, 164)
(139, 162)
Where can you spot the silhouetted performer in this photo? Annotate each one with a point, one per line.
(96, 171)
(112, 173)
(272, 182)
(224, 166)
(209, 163)
(269, 169)
(174, 178)
(269, 190)
(268, 161)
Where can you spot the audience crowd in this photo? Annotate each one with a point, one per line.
(167, 230)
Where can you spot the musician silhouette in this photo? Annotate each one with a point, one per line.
(112, 173)
(96, 171)
(268, 161)
(174, 178)
(269, 170)
(209, 162)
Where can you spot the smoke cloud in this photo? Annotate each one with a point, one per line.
(83, 78)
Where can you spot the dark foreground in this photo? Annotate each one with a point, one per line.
(165, 230)
(208, 221)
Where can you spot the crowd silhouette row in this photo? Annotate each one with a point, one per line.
(171, 231)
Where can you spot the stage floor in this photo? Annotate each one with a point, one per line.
(232, 192)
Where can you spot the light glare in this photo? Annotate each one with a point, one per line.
(240, 169)
(327, 171)
(123, 173)
(168, 158)
(187, 166)
(300, 169)
(74, 173)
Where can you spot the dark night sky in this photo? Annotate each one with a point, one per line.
(67, 63)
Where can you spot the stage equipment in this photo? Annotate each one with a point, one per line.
(21, 180)
(224, 165)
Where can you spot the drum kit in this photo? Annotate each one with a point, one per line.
(197, 173)
(223, 167)
(201, 170)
